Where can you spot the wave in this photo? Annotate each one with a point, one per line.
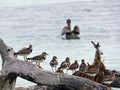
(14, 3)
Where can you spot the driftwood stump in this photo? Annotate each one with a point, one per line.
(13, 68)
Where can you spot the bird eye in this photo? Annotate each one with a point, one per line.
(8, 49)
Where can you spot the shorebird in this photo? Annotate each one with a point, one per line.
(38, 59)
(54, 63)
(108, 79)
(83, 66)
(65, 64)
(59, 70)
(74, 66)
(92, 70)
(24, 52)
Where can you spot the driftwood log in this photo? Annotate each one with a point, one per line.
(13, 68)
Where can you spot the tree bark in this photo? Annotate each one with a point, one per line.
(13, 67)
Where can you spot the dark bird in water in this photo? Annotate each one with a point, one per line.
(74, 66)
(38, 59)
(24, 52)
(67, 29)
(71, 34)
(54, 63)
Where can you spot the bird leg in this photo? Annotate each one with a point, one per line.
(66, 71)
(55, 68)
(38, 65)
(52, 69)
(25, 58)
(72, 71)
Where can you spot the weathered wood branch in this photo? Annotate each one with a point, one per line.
(12, 67)
(29, 72)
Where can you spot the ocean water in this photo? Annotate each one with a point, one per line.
(38, 22)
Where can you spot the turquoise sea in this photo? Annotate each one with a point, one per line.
(40, 22)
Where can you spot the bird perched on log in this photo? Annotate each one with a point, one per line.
(65, 64)
(83, 66)
(54, 63)
(24, 51)
(108, 79)
(59, 70)
(92, 70)
(74, 66)
(38, 59)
